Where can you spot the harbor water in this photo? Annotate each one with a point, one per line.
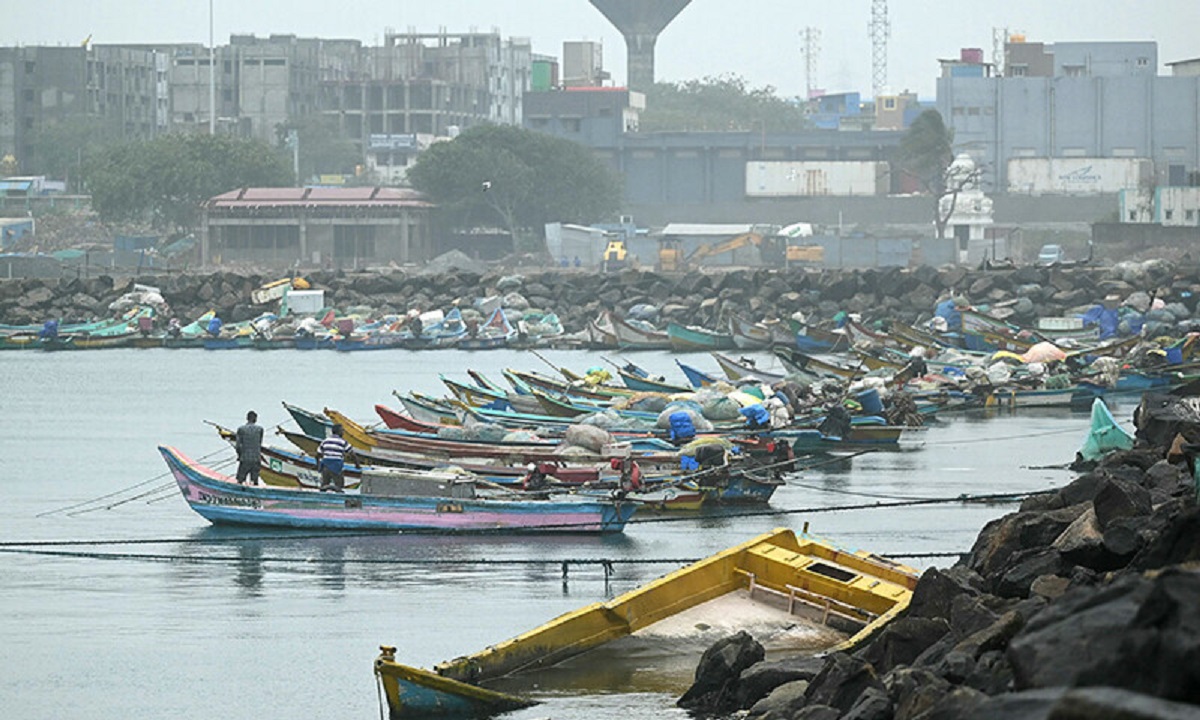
(142, 609)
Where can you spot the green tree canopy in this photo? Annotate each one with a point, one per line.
(926, 152)
(62, 149)
(721, 103)
(164, 181)
(521, 179)
(323, 150)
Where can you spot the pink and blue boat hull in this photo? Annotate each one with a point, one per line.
(220, 500)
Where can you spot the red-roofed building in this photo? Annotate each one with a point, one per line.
(333, 227)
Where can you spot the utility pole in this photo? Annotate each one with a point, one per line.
(212, 75)
(881, 29)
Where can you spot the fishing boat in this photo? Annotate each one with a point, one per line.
(749, 335)
(436, 502)
(640, 380)
(795, 592)
(698, 378)
(796, 361)
(693, 338)
(600, 333)
(632, 336)
(743, 370)
(495, 333)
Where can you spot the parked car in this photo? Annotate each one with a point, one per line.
(1051, 254)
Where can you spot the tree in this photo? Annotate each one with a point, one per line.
(926, 153)
(62, 149)
(520, 179)
(323, 150)
(721, 103)
(166, 180)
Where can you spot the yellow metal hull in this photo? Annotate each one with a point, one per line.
(808, 577)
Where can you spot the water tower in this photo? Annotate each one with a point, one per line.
(640, 21)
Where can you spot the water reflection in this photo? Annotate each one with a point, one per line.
(250, 573)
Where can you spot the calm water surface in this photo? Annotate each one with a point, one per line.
(189, 621)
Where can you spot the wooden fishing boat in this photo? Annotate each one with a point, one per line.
(831, 599)
(524, 380)
(428, 409)
(736, 370)
(600, 333)
(386, 503)
(639, 380)
(796, 361)
(495, 333)
(399, 421)
(698, 378)
(632, 337)
(693, 338)
(572, 475)
(816, 339)
(749, 335)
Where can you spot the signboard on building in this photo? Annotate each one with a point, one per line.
(808, 178)
(1076, 175)
(392, 142)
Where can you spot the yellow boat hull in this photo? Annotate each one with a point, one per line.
(807, 577)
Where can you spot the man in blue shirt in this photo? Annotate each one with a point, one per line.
(331, 459)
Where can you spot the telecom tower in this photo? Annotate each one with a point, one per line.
(811, 50)
(880, 31)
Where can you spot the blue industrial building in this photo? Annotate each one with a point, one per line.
(1092, 101)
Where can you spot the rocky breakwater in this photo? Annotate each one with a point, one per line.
(1085, 603)
(1020, 295)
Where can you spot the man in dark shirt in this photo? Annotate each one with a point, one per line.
(248, 444)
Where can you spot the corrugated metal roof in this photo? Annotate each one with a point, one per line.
(715, 229)
(322, 196)
(16, 184)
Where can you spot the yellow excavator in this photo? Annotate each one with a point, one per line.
(672, 259)
(616, 255)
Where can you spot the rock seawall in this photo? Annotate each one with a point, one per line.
(1026, 293)
(1082, 604)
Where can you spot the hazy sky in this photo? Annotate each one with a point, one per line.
(757, 39)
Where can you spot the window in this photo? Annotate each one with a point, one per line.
(1189, 215)
(1168, 214)
(1143, 62)
(572, 124)
(973, 111)
(1074, 70)
(889, 103)
(1074, 152)
(275, 62)
(1124, 152)
(1133, 216)
(1018, 70)
(30, 66)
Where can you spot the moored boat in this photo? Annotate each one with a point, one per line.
(386, 504)
(693, 338)
(828, 598)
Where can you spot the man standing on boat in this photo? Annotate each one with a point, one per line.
(248, 444)
(331, 459)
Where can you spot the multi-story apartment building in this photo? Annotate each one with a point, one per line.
(120, 86)
(412, 84)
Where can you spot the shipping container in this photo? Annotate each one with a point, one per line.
(807, 179)
(1077, 175)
